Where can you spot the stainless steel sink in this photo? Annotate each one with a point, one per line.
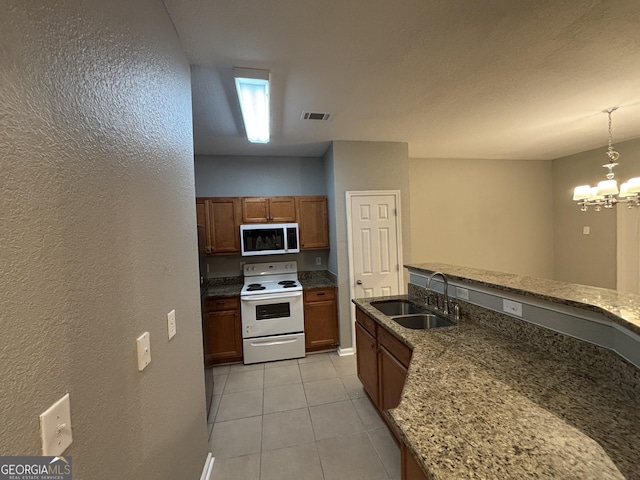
(422, 322)
(392, 308)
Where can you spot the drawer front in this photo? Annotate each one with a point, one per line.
(222, 303)
(395, 347)
(320, 295)
(367, 322)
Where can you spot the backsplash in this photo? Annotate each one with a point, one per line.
(601, 360)
(231, 265)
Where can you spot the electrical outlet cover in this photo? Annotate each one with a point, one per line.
(171, 324)
(511, 307)
(462, 293)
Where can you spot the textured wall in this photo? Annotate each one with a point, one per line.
(490, 214)
(588, 259)
(97, 237)
(363, 166)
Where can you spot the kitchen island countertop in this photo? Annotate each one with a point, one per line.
(478, 404)
(623, 308)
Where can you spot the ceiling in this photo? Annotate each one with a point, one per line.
(501, 79)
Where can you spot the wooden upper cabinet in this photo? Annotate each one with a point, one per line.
(268, 209)
(282, 209)
(218, 225)
(313, 222)
(203, 229)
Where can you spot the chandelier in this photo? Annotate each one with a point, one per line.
(606, 194)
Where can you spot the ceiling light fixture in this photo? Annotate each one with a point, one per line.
(253, 92)
(606, 193)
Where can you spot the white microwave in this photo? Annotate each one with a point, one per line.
(269, 239)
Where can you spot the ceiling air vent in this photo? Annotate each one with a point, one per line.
(315, 116)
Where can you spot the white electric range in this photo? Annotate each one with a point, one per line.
(272, 312)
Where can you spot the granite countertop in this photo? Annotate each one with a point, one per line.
(224, 287)
(480, 405)
(622, 308)
(230, 286)
(317, 282)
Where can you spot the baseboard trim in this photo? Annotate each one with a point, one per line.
(207, 471)
(343, 352)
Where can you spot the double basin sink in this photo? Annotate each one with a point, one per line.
(410, 315)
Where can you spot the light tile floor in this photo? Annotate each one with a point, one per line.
(306, 419)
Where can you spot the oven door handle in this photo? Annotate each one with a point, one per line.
(273, 296)
(258, 343)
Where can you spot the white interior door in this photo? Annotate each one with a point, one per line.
(375, 243)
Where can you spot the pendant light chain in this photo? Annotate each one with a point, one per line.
(611, 153)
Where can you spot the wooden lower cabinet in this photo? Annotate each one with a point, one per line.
(222, 330)
(382, 360)
(393, 374)
(367, 361)
(410, 468)
(320, 319)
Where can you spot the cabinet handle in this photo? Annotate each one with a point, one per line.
(373, 345)
(321, 294)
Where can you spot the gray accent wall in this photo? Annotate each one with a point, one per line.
(220, 176)
(358, 166)
(259, 176)
(98, 237)
(588, 259)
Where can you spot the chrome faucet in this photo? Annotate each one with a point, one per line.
(445, 308)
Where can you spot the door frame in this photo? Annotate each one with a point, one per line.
(350, 194)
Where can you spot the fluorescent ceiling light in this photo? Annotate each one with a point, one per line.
(253, 92)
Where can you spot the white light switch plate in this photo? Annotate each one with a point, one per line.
(55, 428)
(511, 307)
(144, 350)
(171, 324)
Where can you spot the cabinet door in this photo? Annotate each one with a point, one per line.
(320, 320)
(255, 210)
(367, 360)
(282, 209)
(222, 337)
(313, 222)
(392, 375)
(410, 468)
(225, 232)
(204, 241)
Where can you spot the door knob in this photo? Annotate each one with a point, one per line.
(359, 282)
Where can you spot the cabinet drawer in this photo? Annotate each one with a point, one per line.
(367, 322)
(320, 295)
(395, 347)
(222, 303)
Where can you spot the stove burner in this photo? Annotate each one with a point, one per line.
(287, 283)
(255, 286)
